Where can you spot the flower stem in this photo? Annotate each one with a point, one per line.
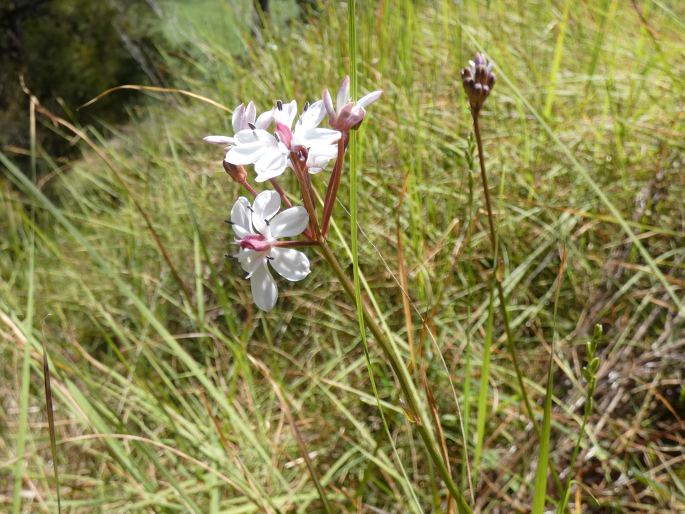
(410, 393)
(333, 184)
(249, 188)
(498, 279)
(280, 191)
(307, 195)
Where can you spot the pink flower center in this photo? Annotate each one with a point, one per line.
(284, 134)
(256, 242)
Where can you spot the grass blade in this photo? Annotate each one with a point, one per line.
(558, 51)
(51, 423)
(483, 389)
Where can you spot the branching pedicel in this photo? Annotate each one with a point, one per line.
(272, 144)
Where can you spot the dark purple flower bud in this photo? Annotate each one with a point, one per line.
(478, 80)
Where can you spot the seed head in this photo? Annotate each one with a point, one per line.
(478, 81)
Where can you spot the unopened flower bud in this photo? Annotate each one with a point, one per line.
(478, 80)
(350, 117)
(236, 172)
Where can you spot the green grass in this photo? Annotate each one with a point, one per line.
(160, 396)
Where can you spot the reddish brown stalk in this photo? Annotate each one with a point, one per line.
(249, 188)
(302, 175)
(294, 244)
(280, 191)
(333, 184)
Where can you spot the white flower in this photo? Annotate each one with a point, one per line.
(257, 229)
(270, 153)
(318, 157)
(347, 114)
(242, 119)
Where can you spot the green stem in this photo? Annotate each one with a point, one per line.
(410, 393)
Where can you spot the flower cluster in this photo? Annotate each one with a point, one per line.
(478, 80)
(272, 143)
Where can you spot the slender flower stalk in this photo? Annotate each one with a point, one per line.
(333, 185)
(281, 192)
(478, 81)
(406, 384)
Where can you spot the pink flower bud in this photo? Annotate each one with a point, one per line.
(255, 242)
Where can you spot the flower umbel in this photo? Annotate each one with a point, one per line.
(257, 228)
(478, 81)
(347, 115)
(271, 153)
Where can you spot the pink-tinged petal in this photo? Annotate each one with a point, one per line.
(313, 116)
(370, 98)
(264, 120)
(284, 134)
(328, 104)
(240, 217)
(290, 264)
(264, 289)
(237, 118)
(343, 94)
(265, 207)
(289, 223)
(250, 114)
(219, 140)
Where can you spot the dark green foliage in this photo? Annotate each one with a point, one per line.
(71, 50)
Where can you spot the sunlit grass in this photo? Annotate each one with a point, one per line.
(159, 404)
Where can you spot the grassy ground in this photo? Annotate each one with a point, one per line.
(162, 398)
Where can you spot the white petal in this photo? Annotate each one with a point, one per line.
(286, 115)
(251, 136)
(269, 174)
(250, 113)
(343, 94)
(218, 140)
(250, 260)
(291, 222)
(290, 263)
(244, 154)
(369, 98)
(313, 115)
(240, 217)
(319, 156)
(237, 119)
(264, 290)
(250, 146)
(314, 136)
(264, 120)
(273, 162)
(265, 206)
